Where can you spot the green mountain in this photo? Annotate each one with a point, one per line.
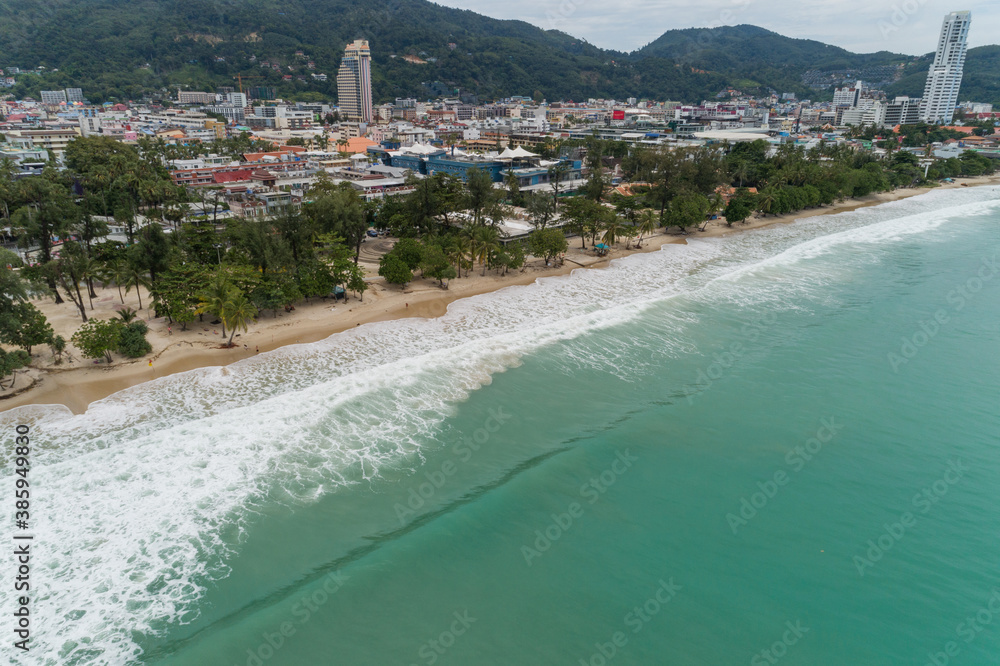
(732, 47)
(124, 50)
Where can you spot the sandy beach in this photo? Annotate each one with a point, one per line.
(79, 382)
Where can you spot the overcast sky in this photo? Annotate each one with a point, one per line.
(863, 26)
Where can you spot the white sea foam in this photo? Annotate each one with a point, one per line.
(139, 501)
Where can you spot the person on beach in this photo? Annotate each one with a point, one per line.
(257, 347)
(151, 363)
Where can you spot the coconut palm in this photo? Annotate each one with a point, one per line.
(629, 232)
(487, 242)
(459, 250)
(214, 299)
(647, 224)
(612, 230)
(137, 277)
(238, 312)
(117, 271)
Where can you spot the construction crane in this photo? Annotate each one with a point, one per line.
(240, 77)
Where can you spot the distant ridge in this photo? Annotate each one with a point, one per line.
(122, 50)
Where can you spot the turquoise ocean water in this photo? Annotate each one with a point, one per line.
(778, 447)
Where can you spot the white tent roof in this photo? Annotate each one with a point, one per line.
(516, 152)
(420, 149)
(359, 156)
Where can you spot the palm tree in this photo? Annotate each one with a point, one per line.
(612, 231)
(458, 251)
(89, 269)
(716, 204)
(126, 314)
(213, 301)
(487, 242)
(117, 271)
(630, 232)
(137, 277)
(238, 312)
(741, 170)
(766, 200)
(647, 224)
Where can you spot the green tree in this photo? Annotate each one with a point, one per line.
(238, 312)
(356, 281)
(152, 252)
(480, 194)
(98, 338)
(687, 210)
(10, 363)
(47, 212)
(435, 264)
(58, 346)
(132, 342)
(25, 328)
(213, 300)
(71, 269)
(740, 207)
(410, 251)
(647, 225)
(394, 270)
(541, 209)
(547, 243)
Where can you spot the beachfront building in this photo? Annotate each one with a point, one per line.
(354, 82)
(945, 75)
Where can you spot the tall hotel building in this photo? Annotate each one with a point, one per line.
(945, 74)
(354, 82)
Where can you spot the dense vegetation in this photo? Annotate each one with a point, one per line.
(117, 50)
(752, 58)
(239, 269)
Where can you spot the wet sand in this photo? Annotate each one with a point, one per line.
(76, 384)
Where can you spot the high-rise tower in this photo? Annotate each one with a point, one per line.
(354, 82)
(945, 74)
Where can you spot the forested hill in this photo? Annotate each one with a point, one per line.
(122, 50)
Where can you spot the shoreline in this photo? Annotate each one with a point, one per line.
(78, 384)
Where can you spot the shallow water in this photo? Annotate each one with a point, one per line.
(555, 462)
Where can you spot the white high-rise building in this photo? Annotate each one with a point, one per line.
(237, 99)
(354, 82)
(945, 74)
(847, 96)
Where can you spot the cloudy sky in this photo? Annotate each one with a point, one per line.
(902, 26)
